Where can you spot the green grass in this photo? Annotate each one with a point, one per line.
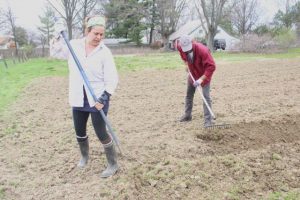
(14, 78)
(17, 76)
(284, 196)
(157, 61)
(172, 59)
(236, 57)
(2, 193)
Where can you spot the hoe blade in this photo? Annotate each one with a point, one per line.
(218, 126)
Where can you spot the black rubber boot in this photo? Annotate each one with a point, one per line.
(84, 150)
(112, 165)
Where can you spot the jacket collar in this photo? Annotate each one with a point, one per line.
(98, 48)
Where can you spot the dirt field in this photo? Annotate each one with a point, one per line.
(257, 158)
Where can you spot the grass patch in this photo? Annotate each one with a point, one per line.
(168, 60)
(10, 130)
(234, 193)
(2, 193)
(284, 196)
(239, 57)
(14, 78)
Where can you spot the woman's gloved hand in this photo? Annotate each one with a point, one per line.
(102, 100)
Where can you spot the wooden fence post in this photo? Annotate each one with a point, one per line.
(3, 59)
(5, 63)
(25, 56)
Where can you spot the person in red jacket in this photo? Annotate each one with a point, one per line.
(201, 65)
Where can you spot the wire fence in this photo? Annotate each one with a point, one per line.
(23, 55)
(10, 54)
(31, 53)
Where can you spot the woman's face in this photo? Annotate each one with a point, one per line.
(95, 36)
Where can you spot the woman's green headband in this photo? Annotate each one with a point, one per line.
(96, 21)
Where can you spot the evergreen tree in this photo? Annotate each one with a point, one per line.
(125, 19)
(152, 17)
(47, 21)
(282, 19)
(22, 37)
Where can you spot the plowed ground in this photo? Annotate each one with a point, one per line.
(257, 158)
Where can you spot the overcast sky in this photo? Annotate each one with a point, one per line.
(27, 11)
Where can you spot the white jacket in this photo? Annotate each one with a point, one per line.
(99, 67)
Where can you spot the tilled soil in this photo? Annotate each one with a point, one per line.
(258, 157)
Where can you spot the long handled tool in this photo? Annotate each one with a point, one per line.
(87, 83)
(208, 107)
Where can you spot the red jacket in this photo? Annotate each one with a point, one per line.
(203, 62)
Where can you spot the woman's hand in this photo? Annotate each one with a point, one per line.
(58, 49)
(102, 100)
(99, 106)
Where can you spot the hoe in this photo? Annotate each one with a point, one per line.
(213, 126)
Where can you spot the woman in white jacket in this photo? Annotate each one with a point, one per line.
(99, 66)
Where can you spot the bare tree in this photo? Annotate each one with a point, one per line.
(71, 10)
(99, 8)
(287, 4)
(169, 13)
(2, 18)
(32, 38)
(210, 13)
(87, 7)
(244, 16)
(9, 20)
(296, 18)
(152, 18)
(43, 41)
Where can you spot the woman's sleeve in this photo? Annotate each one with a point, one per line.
(111, 77)
(59, 49)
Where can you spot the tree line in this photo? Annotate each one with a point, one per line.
(132, 19)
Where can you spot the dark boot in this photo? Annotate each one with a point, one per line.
(84, 150)
(112, 165)
(208, 124)
(185, 118)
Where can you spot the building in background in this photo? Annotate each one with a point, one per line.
(195, 30)
(7, 42)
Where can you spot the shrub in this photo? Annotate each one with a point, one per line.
(156, 45)
(253, 43)
(286, 38)
(266, 43)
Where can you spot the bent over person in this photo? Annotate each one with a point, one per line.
(201, 65)
(98, 64)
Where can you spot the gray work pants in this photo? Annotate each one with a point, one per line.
(190, 97)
